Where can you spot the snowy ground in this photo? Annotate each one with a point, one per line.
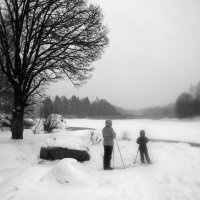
(174, 176)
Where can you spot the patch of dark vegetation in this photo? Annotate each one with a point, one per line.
(58, 153)
(28, 124)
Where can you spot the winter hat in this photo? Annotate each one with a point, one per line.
(108, 122)
(142, 133)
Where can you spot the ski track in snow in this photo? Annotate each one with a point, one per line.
(174, 176)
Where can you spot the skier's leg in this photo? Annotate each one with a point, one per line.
(110, 148)
(105, 165)
(142, 156)
(147, 156)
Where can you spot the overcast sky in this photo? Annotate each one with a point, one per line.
(153, 55)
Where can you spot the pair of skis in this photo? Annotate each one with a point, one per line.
(126, 166)
(133, 165)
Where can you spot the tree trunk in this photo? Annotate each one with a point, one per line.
(17, 125)
(18, 116)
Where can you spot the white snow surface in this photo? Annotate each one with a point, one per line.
(71, 141)
(175, 175)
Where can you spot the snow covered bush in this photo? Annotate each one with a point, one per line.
(94, 138)
(66, 172)
(39, 127)
(125, 135)
(49, 126)
(52, 122)
(5, 121)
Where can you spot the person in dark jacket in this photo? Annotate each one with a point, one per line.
(108, 137)
(142, 141)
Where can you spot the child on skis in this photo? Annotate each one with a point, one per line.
(142, 141)
(108, 136)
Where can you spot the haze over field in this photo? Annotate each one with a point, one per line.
(153, 54)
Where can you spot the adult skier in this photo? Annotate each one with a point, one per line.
(108, 137)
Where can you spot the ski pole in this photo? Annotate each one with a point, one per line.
(136, 157)
(120, 152)
(113, 156)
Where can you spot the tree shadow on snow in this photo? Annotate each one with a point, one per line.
(79, 128)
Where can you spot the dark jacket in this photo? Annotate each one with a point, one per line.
(142, 142)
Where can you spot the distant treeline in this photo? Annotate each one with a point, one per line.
(77, 107)
(188, 103)
(160, 112)
(157, 112)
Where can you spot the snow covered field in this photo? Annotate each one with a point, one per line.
(174, 176)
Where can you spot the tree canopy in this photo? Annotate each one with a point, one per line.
(188, 103)
(47, 40)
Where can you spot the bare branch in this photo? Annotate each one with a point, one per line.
(47, 40)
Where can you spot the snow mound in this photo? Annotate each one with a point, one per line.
(66, 172)
(68, 142)
(17, 183)
(35, 173)
(10, 153)
(28, 179)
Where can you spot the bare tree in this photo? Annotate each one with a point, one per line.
(47, 40)
(4, 84)
(6, 95)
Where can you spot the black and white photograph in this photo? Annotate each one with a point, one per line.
(99, 100)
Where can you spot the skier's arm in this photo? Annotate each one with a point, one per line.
(113, 134)
(103, 133)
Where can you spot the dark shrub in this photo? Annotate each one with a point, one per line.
(28, 123)
(58, 153)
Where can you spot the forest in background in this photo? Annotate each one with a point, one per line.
(187, 105)
(76, 107)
